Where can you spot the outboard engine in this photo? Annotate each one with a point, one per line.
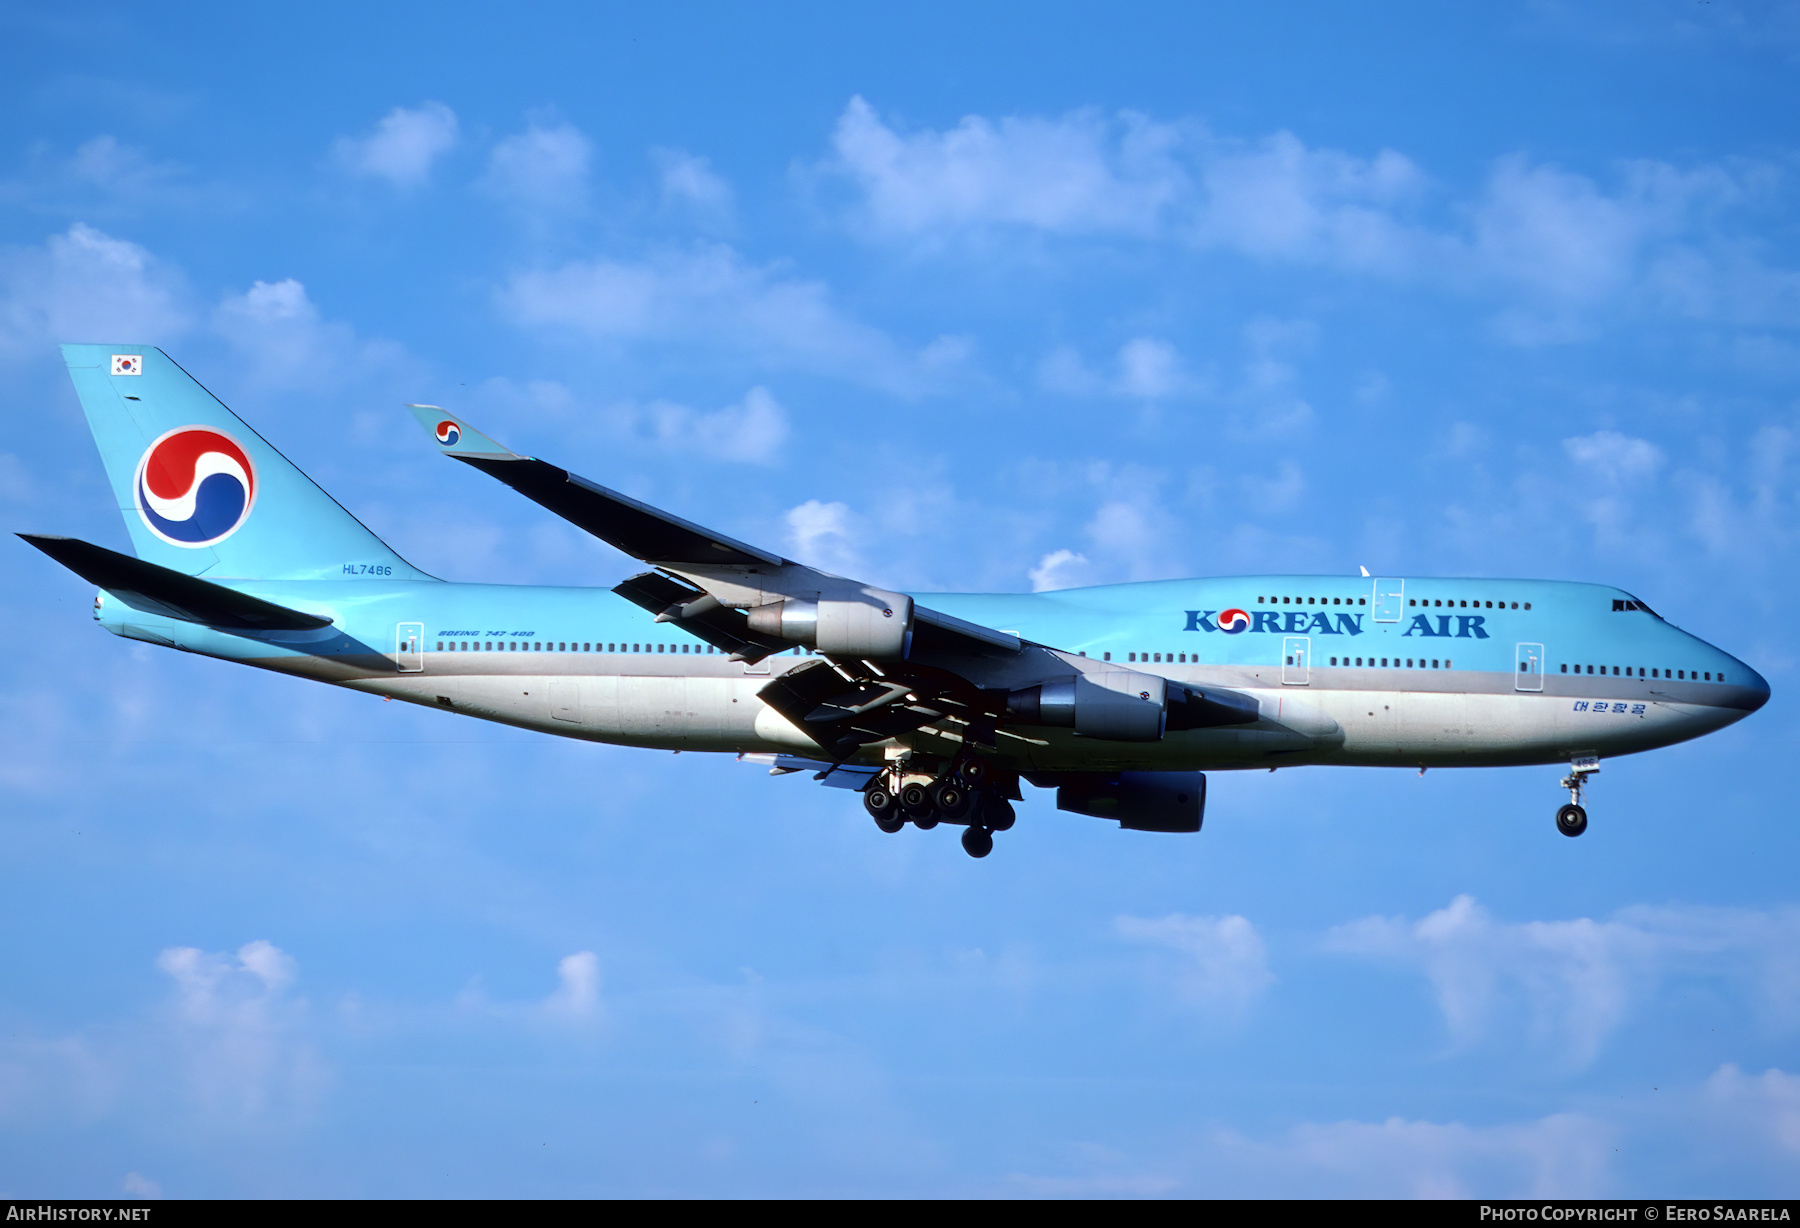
(875, 626)
(1123, 705)
(1140, 801)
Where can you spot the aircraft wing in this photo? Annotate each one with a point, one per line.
(885, 665)
(736, 574)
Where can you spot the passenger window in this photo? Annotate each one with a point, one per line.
(1565, 669)
(1434, 663)
(1528, 605)
(1107, 656)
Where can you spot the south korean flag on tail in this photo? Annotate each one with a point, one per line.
(128, 364)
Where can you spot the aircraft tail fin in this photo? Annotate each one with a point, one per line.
(203, 493)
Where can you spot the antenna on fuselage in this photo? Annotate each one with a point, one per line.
(1365, 572)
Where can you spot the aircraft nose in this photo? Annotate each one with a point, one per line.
(1756, 694)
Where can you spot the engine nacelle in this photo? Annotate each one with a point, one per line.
(1120, 705)
(1140, 801)
(875, 626)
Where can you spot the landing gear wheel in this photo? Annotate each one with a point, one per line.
(915, 800)
(952, 801)
(978, 842)
(1571, 820)
(1000, 814)
(974, 773)
(883, 809)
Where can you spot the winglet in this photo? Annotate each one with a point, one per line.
(456, 437)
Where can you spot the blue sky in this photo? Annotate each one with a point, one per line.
(949, 299)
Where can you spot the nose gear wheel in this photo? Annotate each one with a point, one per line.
(1572, 819)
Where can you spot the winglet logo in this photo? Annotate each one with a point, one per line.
(448, 434)
(128, 364)
(1234, 621)
(195, 486)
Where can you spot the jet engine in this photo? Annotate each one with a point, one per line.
(1140, 801)
(874, 626)
(1123, 705)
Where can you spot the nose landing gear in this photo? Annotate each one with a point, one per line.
(1572, 819)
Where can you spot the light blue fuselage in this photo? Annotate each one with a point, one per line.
(1430, 672)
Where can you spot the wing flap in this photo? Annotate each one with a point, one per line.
(721, 626)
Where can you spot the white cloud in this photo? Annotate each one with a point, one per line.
(1059, 569)
(1561, 1156)
(749, 432)
(1149, 369)
(403, 146)
(1079, 174)
(826, 536)
(106, 163)
(1578, 980)
(238, 1032)
(1145, 369)
(1086, 174)
(1766, 1106)
(542, 171)
(1625, 466)
(577, 995)
(690, 185)
(710, 296)
(286, 342)
(84, 285)
(136, 1185)
(1617, 458)
(1564, 1155)
(1554, 246)
(1223, 965)
(1278, 198)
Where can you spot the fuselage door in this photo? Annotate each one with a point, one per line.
(1530, 675)
(1296, 658)
(409, 647)
(1390, 598)
(565, 699)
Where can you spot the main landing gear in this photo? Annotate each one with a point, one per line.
(1571, 820)
(965, 794)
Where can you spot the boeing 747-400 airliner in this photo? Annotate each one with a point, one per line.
(934, 706)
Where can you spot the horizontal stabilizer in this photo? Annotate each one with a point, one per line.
(158, 590)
